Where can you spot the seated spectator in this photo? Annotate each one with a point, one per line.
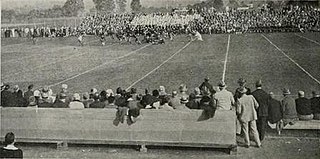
(165, 105)
(182, 106)
(48, 92)
(10, 151)
(92, 92)
(111, 101)
(155, 101)
(76, 103)
(86, 100)
(37, 95)
(109, 93)
(197, 93)
(174, 100)
(45, 102)
(16, 91)
(32, 102)
(121, 100)
(97, 103)
(274, 115)
(192, 104)
(162, 93)
(103, 97)
(224, 99)
(146, 99)
(28, 93)
(6, 96)
(288, 108)
(20, 100)
(208, 106)
(183, 91)
(207, 87)
(61, 102)
(315, 105)
(303, 107)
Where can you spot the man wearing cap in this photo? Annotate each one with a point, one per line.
(224, 99)
(303, 107)
(315, 105)
(76, 104)
(288, 108)
(242, 83)
(246, 111)
(263, 99)
(207, 87)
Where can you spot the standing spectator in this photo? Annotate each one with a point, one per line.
(263, 99)
(224, 99)
(207, 87)
(10, 151)
(275, 114)
(242, 83)
(303, 107)
(28, 93)
(315, 105)
(246, 110)
(76, 104)
(6, 96)
(288, 108)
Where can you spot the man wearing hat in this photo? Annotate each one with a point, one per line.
(288, 106)
(303, 106)
(224, 99)
(207, 87)
(242, 83)
(315, 105)
(246, 111)
(263, 99)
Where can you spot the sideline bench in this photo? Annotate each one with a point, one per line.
(301, 125)
(95, 126)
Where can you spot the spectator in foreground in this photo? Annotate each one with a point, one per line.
(246, 110)
(303, 107)
(315, 105)
(288, 108)
(10, 151)
(262, 98)
(275, 114)
(76, 103)
(224, 99)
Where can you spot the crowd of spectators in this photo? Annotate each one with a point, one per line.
(48, 31)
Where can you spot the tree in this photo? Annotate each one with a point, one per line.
(135, 5)
(104, 6)
(73, 7)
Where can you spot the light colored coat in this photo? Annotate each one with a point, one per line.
(76, 105)
(246, 108)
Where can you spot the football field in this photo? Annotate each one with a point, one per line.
(280, 60)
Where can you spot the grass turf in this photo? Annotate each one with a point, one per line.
(251, 56)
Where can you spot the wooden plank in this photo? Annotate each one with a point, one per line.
(301, 125)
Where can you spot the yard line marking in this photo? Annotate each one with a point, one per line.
(291, 59)
(96, 67)
(307, 38)
(146, 75)
(226, 60)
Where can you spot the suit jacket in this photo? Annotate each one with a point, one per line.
(303, 106)
(262, 98)
(288, 106)
(275, 114)
(246, 108)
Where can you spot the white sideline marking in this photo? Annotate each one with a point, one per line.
(96, 67)
(291, 59)
(226, 60)
(134, 83)
(307, 38)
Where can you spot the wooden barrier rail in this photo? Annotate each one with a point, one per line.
(96, 126)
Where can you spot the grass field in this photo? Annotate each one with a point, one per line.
(290, 60)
